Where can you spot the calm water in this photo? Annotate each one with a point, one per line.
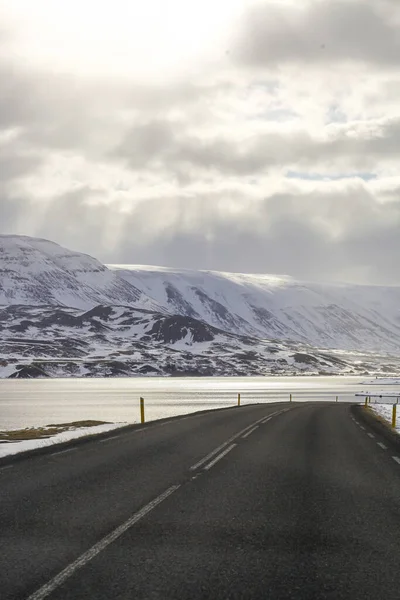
(40, 402)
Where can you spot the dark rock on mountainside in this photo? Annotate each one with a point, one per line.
(173, 329)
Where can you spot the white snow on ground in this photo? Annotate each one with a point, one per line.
(380, 396)
(385, 411)
(7, 370)
(10, 448)
(383, 381)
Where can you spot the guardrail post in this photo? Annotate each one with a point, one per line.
(366, 400)
(142, 410)
(337, 398)
(238, 399)
(394, 416)
(290, 397)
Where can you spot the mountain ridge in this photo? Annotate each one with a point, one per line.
(38, 271)
(326, 315)
(63, 313)
(53, 341)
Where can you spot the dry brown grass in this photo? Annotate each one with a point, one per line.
(36, 433)
(75, 424)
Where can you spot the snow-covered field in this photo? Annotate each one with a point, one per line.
(381, 396)
(383, 381)
(385, 411)
(11, 448)
(33, 402)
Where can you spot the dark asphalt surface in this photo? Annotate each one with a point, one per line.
(307, 506)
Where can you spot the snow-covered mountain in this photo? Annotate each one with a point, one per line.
(63, 313)
(109, 341)
(35, 271)
(324, 315)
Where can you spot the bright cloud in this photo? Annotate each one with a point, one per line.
(235, 135)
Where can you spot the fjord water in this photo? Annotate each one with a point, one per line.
(30, 402)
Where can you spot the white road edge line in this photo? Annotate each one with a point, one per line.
(249, 432)
(63, 451)
(121, 436)
(382, 445)
(371, 435)
(6, 467)
(396, 459)
(218, 458)
(201, 462)
(87, 556)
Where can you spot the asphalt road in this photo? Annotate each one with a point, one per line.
(305, 505)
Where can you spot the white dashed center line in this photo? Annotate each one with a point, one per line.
(249, 433)
(382, 445)
(371, 435)
(396, 459)
(201, 462)
(218, 458)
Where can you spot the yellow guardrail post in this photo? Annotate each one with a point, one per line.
(394, 416)
(142, 410)
(238, 399)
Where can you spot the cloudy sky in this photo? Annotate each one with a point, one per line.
(216, 134)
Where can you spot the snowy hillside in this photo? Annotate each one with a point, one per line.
(120, 341)
(35, 271)
(329, 316)
(63, 313)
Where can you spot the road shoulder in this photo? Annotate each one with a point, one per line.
(377, 425)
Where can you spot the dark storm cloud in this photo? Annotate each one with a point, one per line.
(14, 164)
(17, 160)
(168, 145)
(59, 111)
(306, 235)
(329, 31)
(170, 135)
(47, 110)
(15, 211)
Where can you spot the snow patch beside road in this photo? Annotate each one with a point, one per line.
(11, 448)
(385, 411)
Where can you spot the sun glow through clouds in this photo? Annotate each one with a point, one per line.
(123, 37)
